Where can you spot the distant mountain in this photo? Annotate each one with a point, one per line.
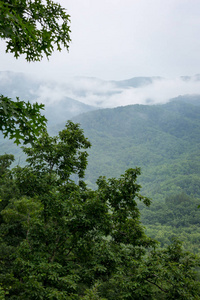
(136, 82)
(58, 107)
(164, 140)
(57, 114)
(191, 99)
(96, 92)
(19, 85)
(191, 78)
(127, 83)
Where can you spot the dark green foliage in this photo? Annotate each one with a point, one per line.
(33, 28)
(170, 267)
(5, 162)
(8, 189)
(21, 120)
(62, 155)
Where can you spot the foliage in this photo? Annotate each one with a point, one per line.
(21, 120)
(62, 240)
(173, 273)
(33, 27)
(7, 186)
(63, 155)
(5, 162)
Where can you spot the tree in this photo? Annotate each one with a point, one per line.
(21, 120)
(61, 240)
(33, 28)
(7, 186)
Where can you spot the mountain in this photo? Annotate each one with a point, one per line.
(191, 99)
(163, 140)
(64, 110)
(19, 85)
(58, 106)
(136, 82)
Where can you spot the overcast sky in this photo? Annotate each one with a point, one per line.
(115, 39)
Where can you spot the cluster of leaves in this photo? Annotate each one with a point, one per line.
(21, 120)
(33, 27)
(62, 240)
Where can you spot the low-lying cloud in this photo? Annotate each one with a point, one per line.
(108, 95)
(100, 93)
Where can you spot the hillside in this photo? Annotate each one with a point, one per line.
(162, 139)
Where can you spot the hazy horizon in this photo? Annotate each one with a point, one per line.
(115, 40)
(97, 92)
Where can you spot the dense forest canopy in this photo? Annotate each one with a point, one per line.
(60, 239)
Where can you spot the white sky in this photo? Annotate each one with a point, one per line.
(120, 39)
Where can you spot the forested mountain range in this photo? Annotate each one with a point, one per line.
(153, 137)
(162, 139)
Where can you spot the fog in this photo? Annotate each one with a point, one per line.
(107, 94)
(96, 92)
